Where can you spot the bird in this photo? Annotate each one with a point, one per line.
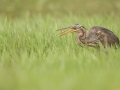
(93, 36)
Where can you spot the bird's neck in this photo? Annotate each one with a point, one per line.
(81, 36)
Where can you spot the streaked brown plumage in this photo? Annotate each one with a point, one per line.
(93, 36)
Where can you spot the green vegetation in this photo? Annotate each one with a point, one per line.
(33, 57)
(13, 8)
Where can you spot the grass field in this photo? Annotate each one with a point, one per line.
(33, 57)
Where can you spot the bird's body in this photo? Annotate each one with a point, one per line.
(98, 34)
(94, 36)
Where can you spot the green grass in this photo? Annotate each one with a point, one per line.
(33, 57)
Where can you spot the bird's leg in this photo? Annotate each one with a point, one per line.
(106, 45)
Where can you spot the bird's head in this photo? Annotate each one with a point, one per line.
(74, 28)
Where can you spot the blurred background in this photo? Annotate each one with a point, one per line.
(18, 8)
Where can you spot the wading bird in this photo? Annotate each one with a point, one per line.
(93, 37)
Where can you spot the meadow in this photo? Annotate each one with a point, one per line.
(34, 57)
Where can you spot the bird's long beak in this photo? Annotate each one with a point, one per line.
(66, 32)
